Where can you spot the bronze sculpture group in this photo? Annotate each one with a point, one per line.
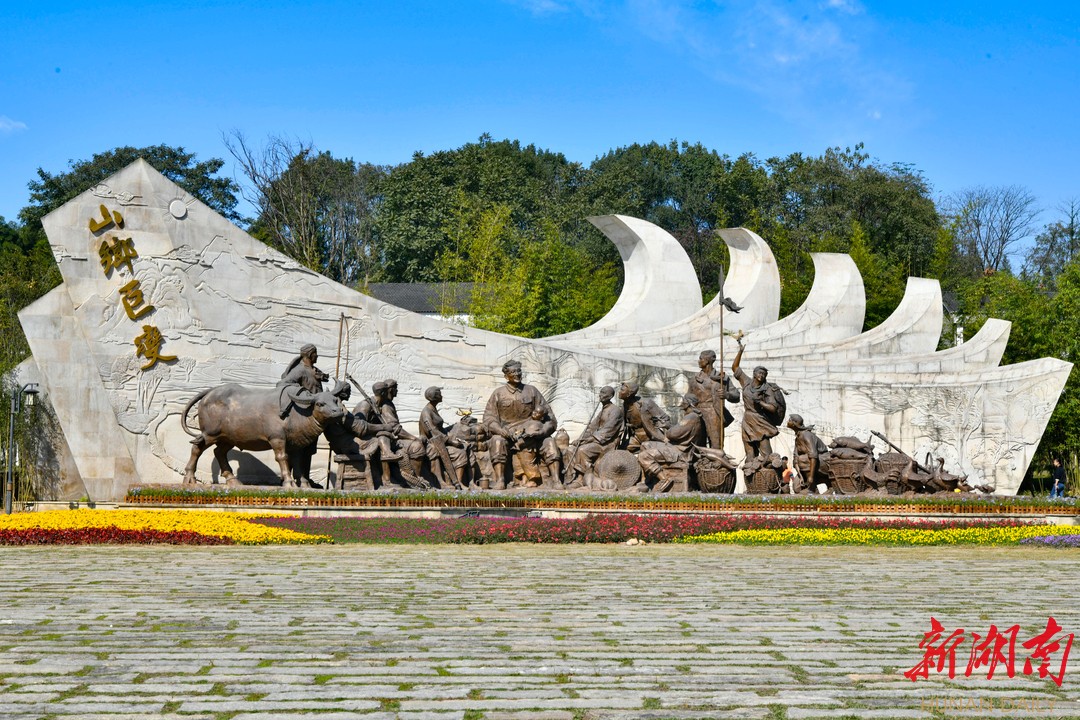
(629, 444)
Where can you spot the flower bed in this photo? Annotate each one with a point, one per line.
(1061, 541)
(203, 527)
(95, 526)
(975, 535)
(683, 502)
(107, 536)
(606, 528)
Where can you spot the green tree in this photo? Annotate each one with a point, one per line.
(1029, 309)
(25, 276)
(1055, 247)
(989, 223)
(883, 280)
(523, 286)
(315, 208)
(536, 185)
(1062, 331)
(49, 191)
(675, 186)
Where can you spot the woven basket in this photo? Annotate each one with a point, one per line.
(891, 467)
(765, 481)
(847, 476)
(713, 477)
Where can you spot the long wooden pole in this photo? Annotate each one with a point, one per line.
(337, 374)
(723, 374)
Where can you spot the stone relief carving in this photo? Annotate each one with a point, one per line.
(125, 198)
(227, 296)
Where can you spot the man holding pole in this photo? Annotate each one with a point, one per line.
(602, 434)
(712, 388)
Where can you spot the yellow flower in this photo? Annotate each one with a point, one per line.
(234, 526)
(882, 536)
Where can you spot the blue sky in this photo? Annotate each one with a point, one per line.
(969, 93)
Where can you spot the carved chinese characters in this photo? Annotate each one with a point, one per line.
(116, 253)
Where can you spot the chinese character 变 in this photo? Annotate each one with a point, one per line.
(133, 299)
(1045, 645)
(119, 254)
(148, 345)
(106, 220)
(935, 655)
(989, 651)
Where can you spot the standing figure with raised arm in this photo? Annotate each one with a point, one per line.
(764, 408)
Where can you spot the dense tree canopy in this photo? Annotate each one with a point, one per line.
(316, 208)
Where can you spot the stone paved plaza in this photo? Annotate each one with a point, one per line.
(515, 631)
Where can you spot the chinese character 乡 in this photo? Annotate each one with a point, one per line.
(119, 254)
(148, 345)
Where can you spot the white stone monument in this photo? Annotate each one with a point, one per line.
(162, 298)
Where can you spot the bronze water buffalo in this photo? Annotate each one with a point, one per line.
(250, 419)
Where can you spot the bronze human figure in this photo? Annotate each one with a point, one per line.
(764, 408)
(602, 434)
(471, 437)
(643, 417)
(712, 388)
(667, 463)
(447, 455)
(810, 452)
(355, 434)
(378, 410)
(301, 378)
(299, 384)
(521, 425)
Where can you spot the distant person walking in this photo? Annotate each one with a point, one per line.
(1057, 490)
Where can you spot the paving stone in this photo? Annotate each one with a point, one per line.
(512, 631)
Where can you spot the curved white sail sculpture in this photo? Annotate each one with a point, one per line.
(230, 309)
(659, 286)
(832, 311)
(754, 284)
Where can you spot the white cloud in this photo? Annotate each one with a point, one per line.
(9, 126)
(809, 60)
(541, 7)
(851, 7)
(812, 61)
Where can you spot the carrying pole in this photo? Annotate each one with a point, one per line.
(337, 374)
(723, 373)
